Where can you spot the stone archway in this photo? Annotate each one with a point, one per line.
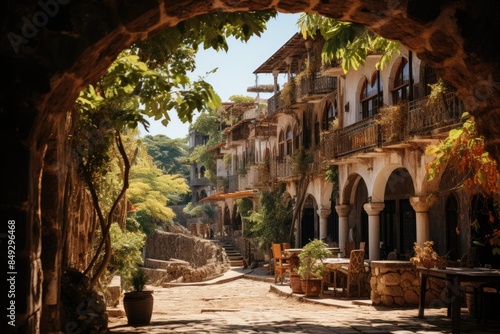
(52, 50)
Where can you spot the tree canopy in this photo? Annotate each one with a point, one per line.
(151, 191)
(349, 42)
(168, 154)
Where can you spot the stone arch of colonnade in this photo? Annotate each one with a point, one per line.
(374, 205)
(45, 81)
(308, 228)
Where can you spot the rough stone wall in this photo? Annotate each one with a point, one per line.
(396, 283)
(182, 257)
(68, 221)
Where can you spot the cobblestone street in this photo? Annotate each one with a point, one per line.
(254, 306)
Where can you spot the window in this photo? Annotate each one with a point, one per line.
(202, 172)
(329, 114)
(289, 140)
(371, 96)
(281, 144)
(401, 89)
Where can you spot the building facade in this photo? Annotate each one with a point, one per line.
(349, 150)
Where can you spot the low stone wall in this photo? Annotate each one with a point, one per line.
(176, 257)
(396, 283)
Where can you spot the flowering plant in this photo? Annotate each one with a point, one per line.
(426, 256)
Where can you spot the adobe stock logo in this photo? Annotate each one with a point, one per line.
(30, 28)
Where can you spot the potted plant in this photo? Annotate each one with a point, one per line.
(427, 257)
(295, 281)
(311, 266)
(138, 303)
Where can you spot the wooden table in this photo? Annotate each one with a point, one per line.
(330, 265)
(453, 277)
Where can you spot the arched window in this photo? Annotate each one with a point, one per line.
(196, 175)
(202, 171)
(203, 194)
(401, 89)
(329, 114)
(371, 96)
(281, 144)
(289, 140)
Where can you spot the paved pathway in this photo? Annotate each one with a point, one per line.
(243, 305)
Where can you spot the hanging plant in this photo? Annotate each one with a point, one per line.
(392, 120)
(287, 94)
(301, 160)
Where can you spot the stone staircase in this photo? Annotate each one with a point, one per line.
(235, 257)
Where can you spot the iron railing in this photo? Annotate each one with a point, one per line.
(316, 86)
(424, 117)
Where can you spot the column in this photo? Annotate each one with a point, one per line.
(421, 208)
(373, 210)
(343, 211)
(276, 72)
(323, 222)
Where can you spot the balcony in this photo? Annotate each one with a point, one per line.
(274, 104)
(422, 121)
(315, 88)
(199, 182)
(368, 133)
(259, 175)
(359, 136)
(284, 167)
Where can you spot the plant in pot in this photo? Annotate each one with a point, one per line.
(295, 281)
(311, 267)
(138, 303)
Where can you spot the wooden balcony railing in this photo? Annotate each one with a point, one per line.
(422, 119)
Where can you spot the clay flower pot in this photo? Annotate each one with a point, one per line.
(295, 283)
(138, 307)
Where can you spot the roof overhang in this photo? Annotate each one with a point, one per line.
(220, 196)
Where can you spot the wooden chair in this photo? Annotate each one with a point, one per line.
(352, 274)
(349, 246)
(282, 266)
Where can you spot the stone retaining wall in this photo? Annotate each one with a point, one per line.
(182, 258)
(396, 283)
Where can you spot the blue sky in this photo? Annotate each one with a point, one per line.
(235, 68)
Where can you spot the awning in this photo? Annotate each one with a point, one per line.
(220, 196)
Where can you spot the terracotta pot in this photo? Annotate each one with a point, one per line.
(138, 307)
(295, 283)
(311, 287)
